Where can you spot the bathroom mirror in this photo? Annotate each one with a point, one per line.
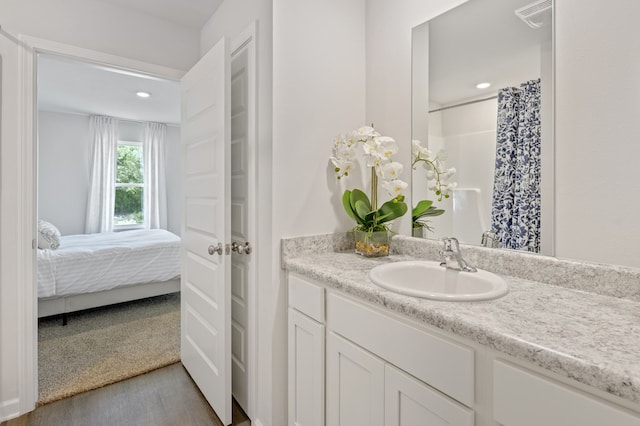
(508, 45)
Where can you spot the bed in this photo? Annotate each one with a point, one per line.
(91, 270)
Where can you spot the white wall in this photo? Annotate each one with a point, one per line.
(64, 169)
(104, 27)
(318, 92)
(597, 132)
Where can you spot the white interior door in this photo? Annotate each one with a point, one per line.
(241, 261)
(206, 263)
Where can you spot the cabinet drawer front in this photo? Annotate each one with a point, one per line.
(445, 365)
(306, 297)
(522, 398)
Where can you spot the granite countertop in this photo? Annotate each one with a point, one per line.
(588, 337)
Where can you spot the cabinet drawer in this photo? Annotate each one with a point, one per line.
(445, 365)
(306, 297)
(523, 398)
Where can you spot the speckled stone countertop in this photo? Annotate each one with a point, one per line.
(580, 333)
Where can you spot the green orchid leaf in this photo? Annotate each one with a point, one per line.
(346, 202)
(362, 209)
(358, 195)
(421, 207)
(424, 208)
(391, 210)
(434, 212)
(371, 217)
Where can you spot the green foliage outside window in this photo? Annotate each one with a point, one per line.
(128, 198)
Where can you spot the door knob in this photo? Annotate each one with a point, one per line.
(241, 249)
(217, 249)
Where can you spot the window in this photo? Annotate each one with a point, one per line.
(128, 211)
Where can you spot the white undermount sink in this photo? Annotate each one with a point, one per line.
(429, 280)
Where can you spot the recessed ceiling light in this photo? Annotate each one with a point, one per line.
(143, 94)
(483, 85)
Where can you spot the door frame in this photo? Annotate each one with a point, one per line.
(28, 302)
(28, 73)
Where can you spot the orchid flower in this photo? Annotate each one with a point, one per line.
(434, 169)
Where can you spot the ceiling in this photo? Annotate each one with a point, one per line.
(70, 86)
(189, 13)
(482, 40)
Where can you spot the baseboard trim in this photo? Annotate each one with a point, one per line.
(9, 409)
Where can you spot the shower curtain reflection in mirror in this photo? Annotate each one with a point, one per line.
(515, 213)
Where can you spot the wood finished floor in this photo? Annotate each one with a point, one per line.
(164, 397)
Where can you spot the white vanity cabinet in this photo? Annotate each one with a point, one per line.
(363, 389)
(379, 369)
(384, 371)
(353, 363)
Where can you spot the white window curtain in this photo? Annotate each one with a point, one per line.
(155, 194)
(104, 145)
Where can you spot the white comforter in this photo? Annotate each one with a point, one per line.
(96, 262)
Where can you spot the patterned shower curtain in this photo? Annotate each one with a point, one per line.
(515, 213)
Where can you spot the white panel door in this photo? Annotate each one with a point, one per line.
(206, 273)
(241, 261)
(410, 402)
(355, 385)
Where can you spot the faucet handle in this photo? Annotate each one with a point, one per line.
(452, 258)
(451, 243)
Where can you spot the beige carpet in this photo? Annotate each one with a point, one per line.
(103, 346)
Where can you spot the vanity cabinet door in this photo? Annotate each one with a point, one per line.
(410, 402)
(306, 370)
(355, 385)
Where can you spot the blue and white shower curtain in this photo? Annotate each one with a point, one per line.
(515, 213)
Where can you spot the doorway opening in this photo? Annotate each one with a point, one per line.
(95, 141)
(56, 205)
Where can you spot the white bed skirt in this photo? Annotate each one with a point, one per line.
(97, 262)
(66, 304)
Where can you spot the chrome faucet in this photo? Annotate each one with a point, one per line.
(452, 258)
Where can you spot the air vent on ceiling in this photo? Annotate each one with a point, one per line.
(536, 14)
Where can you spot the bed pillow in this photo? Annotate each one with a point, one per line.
(48, 236)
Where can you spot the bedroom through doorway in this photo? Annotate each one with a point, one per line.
(107, 263)
(64, 181)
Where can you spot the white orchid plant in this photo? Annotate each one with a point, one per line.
(378, 152)
(439, 180)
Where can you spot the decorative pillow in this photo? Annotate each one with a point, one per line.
(48, 236)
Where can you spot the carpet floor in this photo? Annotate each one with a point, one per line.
(106, 345)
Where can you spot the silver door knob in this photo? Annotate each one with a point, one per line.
(241, 248)
(217, 249)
